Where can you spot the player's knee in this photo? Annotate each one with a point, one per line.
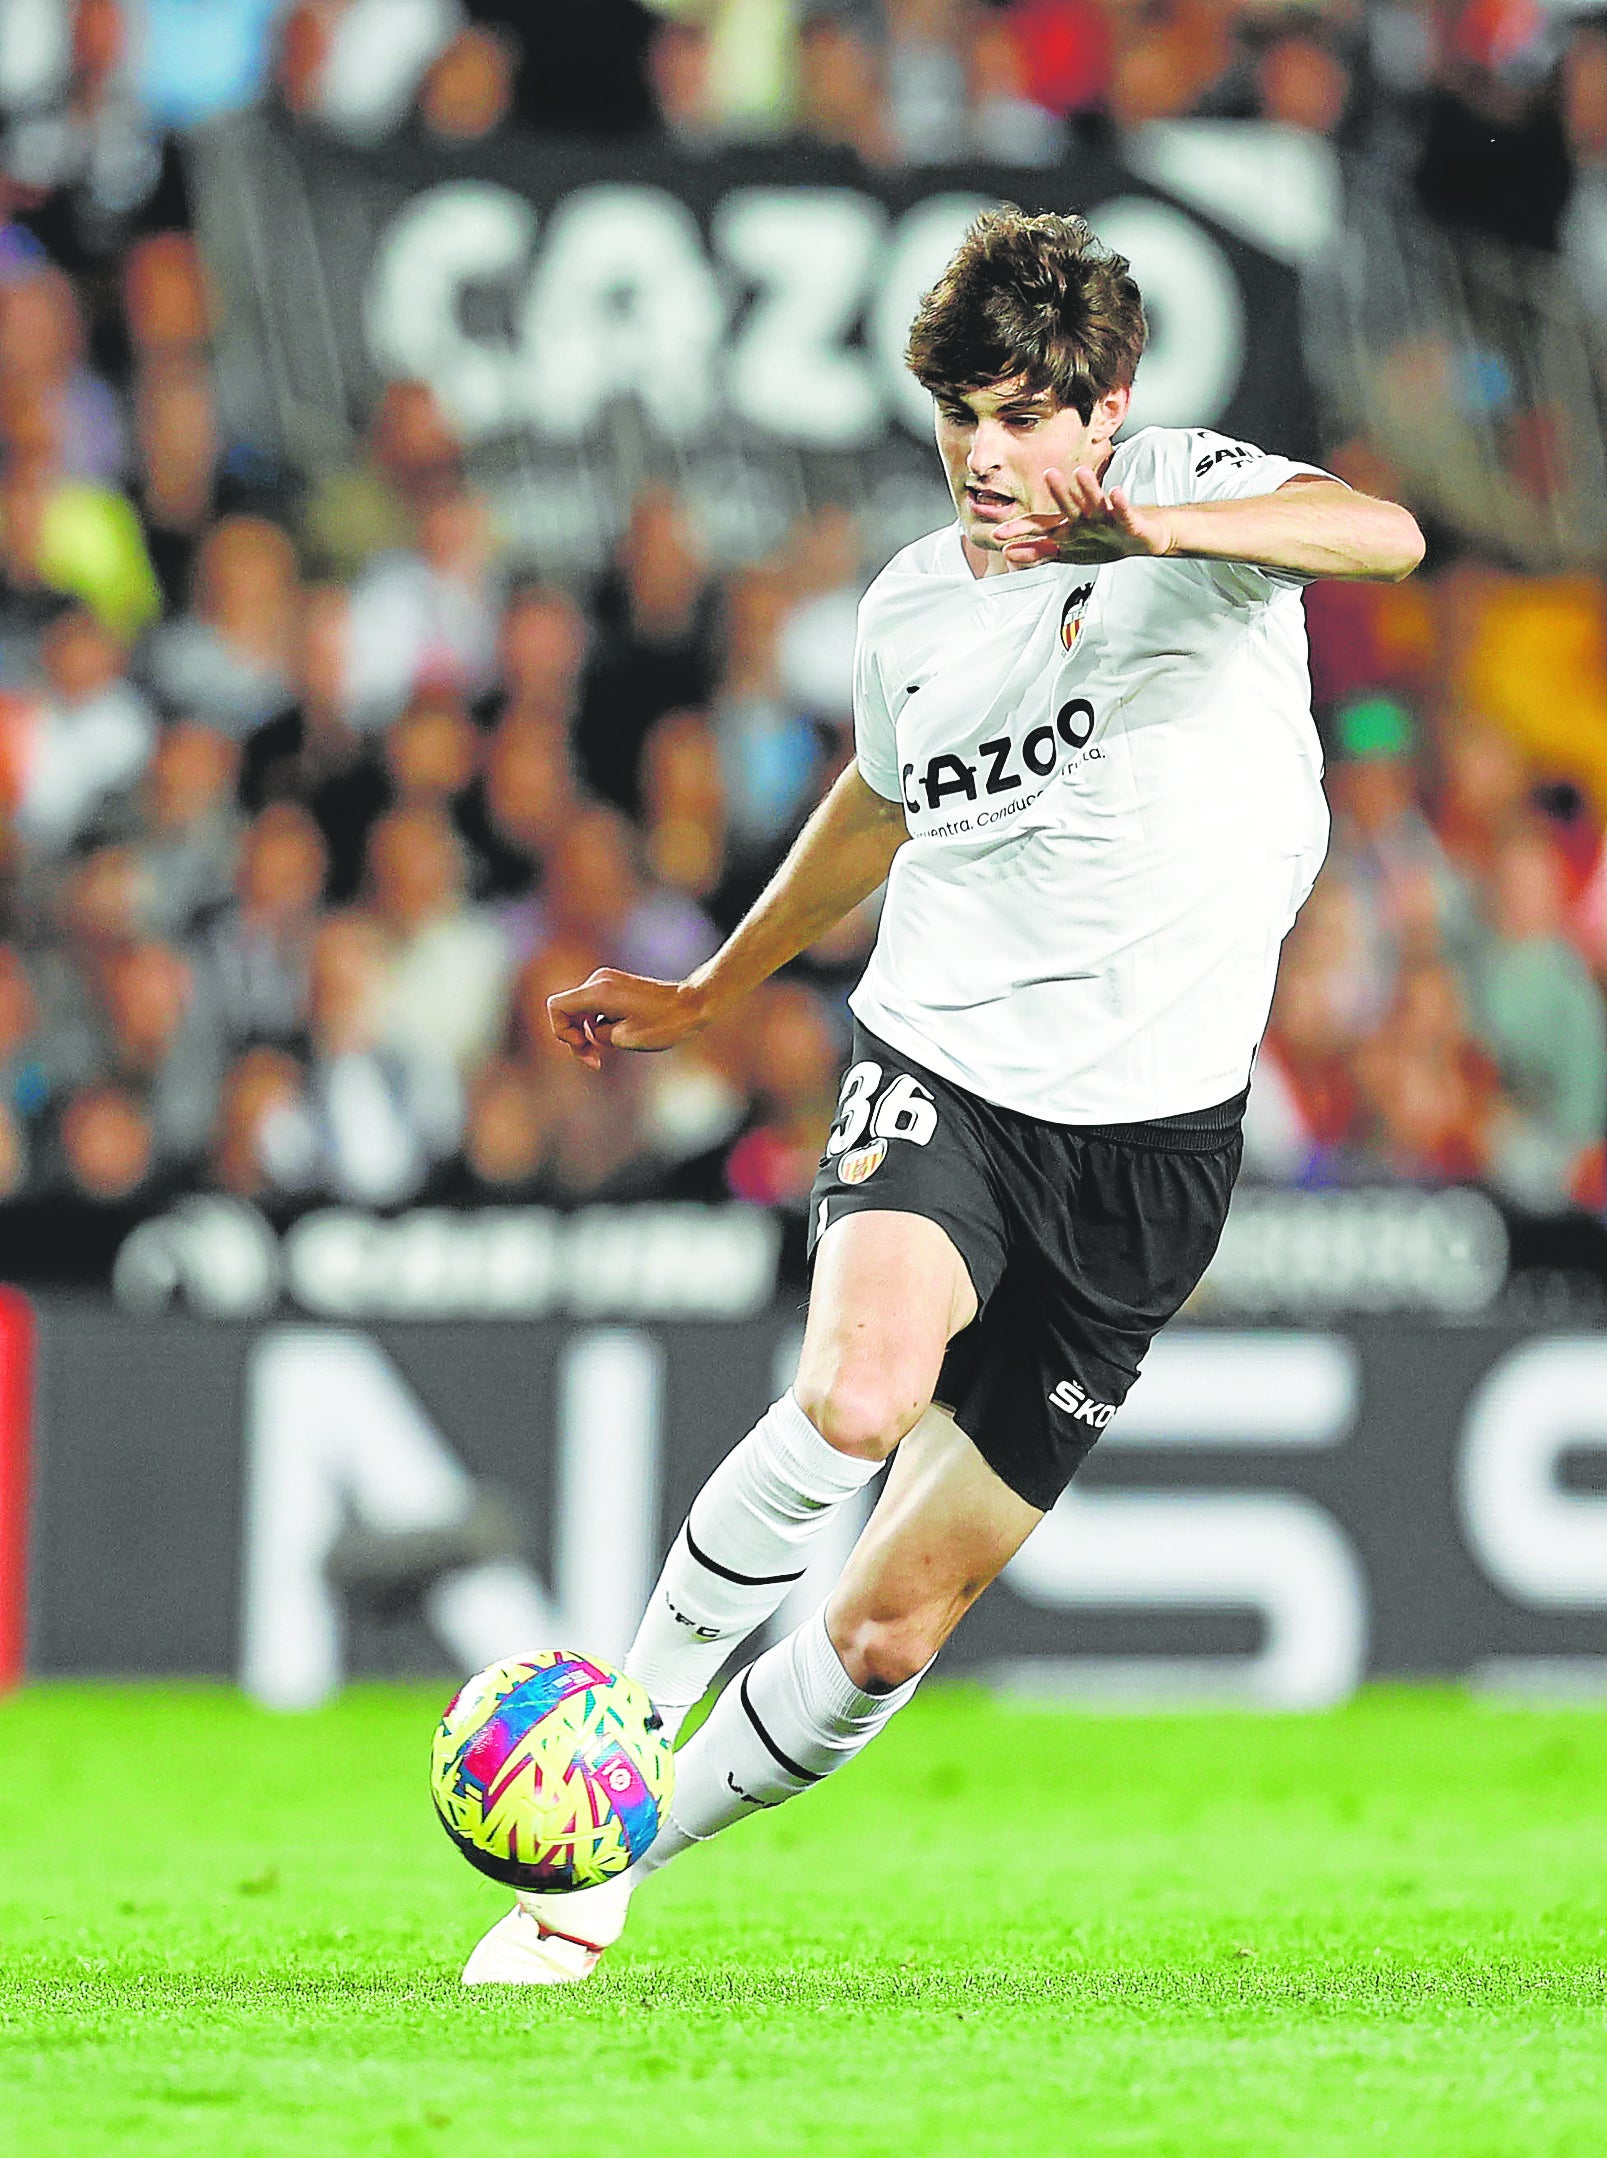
(880, 1654)
(863, 1417)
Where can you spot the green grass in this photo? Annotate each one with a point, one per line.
(1006, 1930)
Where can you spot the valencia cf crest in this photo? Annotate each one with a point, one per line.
(863, 1162)
(1071, 614)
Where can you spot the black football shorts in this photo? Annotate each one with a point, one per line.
(1081, 1241)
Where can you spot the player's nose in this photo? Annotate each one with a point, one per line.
(986, 445)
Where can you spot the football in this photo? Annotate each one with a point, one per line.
(551, 1771)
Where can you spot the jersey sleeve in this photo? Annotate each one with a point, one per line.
(875, 742)
(1220, 469)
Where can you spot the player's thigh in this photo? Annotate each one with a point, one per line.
(943, 1528)
(889, 1291)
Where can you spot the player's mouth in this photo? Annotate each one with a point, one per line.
(988, 502)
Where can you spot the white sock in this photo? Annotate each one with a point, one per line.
(746, 1541)
(784, 1724)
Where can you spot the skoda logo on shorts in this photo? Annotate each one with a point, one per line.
(863, 1162)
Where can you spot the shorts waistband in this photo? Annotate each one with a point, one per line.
(1195, 1131)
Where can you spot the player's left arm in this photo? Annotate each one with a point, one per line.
(1312, 526)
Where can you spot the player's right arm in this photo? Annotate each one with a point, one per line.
(839, 858)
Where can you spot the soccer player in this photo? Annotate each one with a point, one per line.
(1085, 766)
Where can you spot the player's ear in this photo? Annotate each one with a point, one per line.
(1110, 412)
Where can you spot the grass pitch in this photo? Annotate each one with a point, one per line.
(1005, 1930)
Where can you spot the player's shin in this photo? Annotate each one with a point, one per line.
(786, 1723)
(748, 1538)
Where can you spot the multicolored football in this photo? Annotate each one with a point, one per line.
(551, 1771)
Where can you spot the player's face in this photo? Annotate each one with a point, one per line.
(997, 442)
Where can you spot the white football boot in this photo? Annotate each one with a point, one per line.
(551, 1940)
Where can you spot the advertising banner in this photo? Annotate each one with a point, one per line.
(591, 317)
(1276, 1515)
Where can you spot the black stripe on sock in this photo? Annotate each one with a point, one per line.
(805, 1775)
(747, 1581)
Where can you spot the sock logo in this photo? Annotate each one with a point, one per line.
(746, 1797)
(703, 1633)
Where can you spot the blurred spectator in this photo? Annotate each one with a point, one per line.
(262, 1090)
(258, 948)
(82, 741)
(60, 535)
(507, 1134)
(432, 753)
(42, 355)
(926, 80)
(410, 458)
(370, 59)
(1302, 1107)
(1170, 58)
(89, 163)
(1383, 846)
(679, 65)
(468, 93)
(795, 1064)
(769, 751)
(176, 470)
(656, 646)
(1427, 1092)
(841, 103)
(815, 651)
(106, 1144)
(96, 911)
(426, 617)
(447, 964)
(161, 1042)
(683, 805)
(593, 895)
(1541, 1016)
(1302, 81)
(541, 658)
(1010, 122)
(167, 302)
(189, 827)
(516, 809)
(312, 753)
(227, 661)
(1485, 791)
(370, 1123)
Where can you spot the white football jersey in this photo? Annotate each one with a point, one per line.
(1113, 791)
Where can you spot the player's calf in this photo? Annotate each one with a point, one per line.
(748, 1538)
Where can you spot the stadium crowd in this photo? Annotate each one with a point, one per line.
(310, 799)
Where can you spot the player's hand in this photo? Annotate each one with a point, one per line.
(1087, 524)
(624, 1011)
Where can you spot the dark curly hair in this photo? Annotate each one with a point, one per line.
(1034, 296)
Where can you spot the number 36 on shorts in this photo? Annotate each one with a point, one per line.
(903, 1110)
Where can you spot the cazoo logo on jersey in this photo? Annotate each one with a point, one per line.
(999, 779)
